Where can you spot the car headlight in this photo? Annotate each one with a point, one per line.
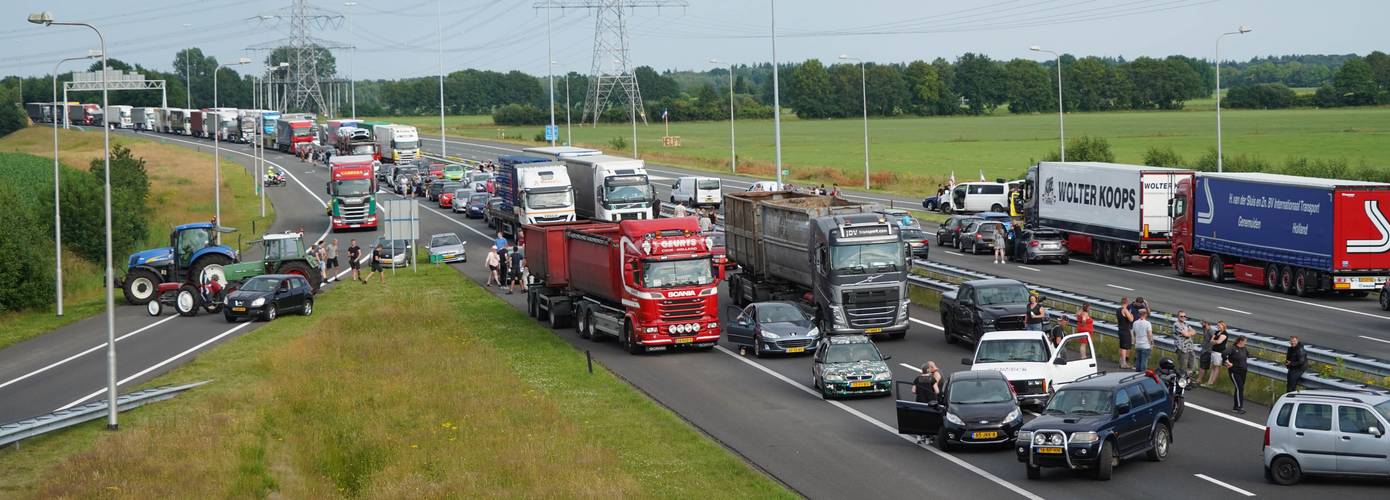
(1084, 437)
(769, 335)
(1025, 436)
(814, 332)
(1039, 439)
(881, 376)
(258, 302)
(952, 418)
(1013, 415)
(834, 377)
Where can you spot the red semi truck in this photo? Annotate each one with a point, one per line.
(648, 283)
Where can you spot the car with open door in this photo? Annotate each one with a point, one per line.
(772, 328)
(1033, 364)
(975, 408)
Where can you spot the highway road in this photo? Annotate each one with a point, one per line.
(762, 409)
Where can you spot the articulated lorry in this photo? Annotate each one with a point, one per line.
(40, 112)
(610, 188)
(1297, 235)
(352, 140)
(561, 152)
(397, 143)
(293, 134)
(837, 256)
(1113, 212)
(84, 114)
(533, 189)
(268, 120)
(144, 118)
(197, 122)
(352, 193)
(180, 121)
(119, 116)
(649, 283)
(223, 123)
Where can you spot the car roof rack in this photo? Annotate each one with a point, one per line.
(1325, 395)
(1091, 376)
(1143, 374)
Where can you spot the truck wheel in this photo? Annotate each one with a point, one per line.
(1180, 263)
(584, 326)
(556, 321)
(631, 344)
(139, 286)
(1286, 279)
(1216, 270)
(208, 266)
(1300, 282)
(1272, 278)
(1385, 298)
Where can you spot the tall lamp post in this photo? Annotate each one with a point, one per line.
(46, 19)
(439, 31)
(217, 143)
(550, 72)
(188, 73)
(733, 150)
(260, 144)
(1243, 30)
(569, 133)
(1061, 124)
(776, 99)
(57, 204)
(864, 98)
(352, 78)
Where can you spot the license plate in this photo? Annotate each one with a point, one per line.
(794, 350)
(1050, 450)
(985, 435)
(1368, 280)
(1050, 247)
(238, 309)
(873, 330)
(685, 340)
(860, 384)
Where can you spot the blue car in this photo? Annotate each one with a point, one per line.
(1097, 421)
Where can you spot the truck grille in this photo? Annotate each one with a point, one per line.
(403, 157)
(1014, 322)
(871, 316)
(353, 213)
(682, 309)
(550, 218)
(630, 216)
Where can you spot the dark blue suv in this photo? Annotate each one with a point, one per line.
(1096, 421)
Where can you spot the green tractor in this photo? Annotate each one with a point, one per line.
(282, 254)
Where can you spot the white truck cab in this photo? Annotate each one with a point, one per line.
(1031, 363)
(698, 191)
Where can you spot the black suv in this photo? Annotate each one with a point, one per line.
(1096, 421)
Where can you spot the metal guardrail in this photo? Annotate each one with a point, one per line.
(24, 429)
(1259, 341)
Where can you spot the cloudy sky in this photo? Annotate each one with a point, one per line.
(397, 38)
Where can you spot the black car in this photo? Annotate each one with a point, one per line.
(476, 205)
(1096, 421)
(266, 296)
(975, 408)
(948, 233)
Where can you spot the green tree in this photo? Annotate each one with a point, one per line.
(1355, 83)
(1162, 157)
(12, 117)
(1029, 88)
(1092, 84)
(655, 86)
(981, 81)
(130, 186)
(844, 87)
(1161, 84)
(1380, 68)
(887, 89)
(26, 272)
(1084, 148)
(1260, 96)
(924, 87)
(950, 100)
(809, 92)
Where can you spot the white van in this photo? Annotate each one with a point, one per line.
(698, 191)
(979, 197)
(1031, 363)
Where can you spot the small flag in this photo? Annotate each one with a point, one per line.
(953, 178)
(663, 114)
(982, 175)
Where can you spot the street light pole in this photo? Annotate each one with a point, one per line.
(1243, 30)
(352, 77)
(1061, 125)
(864, 98)
(776, 100)
(188, 73)
(46, 19)
(439, 31)
(550, 71)
(569, 133)
(217, 143)
(57, 204)
(733, 151)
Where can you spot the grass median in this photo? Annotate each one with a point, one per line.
(427, 386)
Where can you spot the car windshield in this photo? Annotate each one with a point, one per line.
(1047, 236)
(707, 184)
(355, 187)
(867, 258)
(445, 240)
(993, 295)
(635, 193)
(405, 144)
(477, 198)
(301, 132)
(261, 285)
(851, 353)
(1080, 402)
(1012, 351)
(780, 313)
(965, 222)
(404, 171)
(398, 245)
(912, 234)
(672, 273)
(558, 199)
(1384, 409)
(979, 391)
(454, 169)
(479, 176)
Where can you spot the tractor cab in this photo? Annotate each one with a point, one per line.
(195, 253)
(281, 253)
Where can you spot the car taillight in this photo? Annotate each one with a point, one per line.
(925, 242)
(977, 235)
(1033, 243)
(1266, 445)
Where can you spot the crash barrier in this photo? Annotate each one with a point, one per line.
(24, 429)
(1255, 341)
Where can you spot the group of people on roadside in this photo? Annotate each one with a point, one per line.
(506, 264)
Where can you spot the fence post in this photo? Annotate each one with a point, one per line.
(589, 357)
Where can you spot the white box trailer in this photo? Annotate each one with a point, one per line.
(397, 143)
(144, 118)
(180, 121)
(1114, 212)
(118, 116)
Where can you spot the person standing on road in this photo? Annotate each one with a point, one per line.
(354, 256)
(503, 267)
(332, 259)
(500, 242)
(1187, 350)
(1218, 351)
(1143, 340)
(493, 261)
(1297, 362)
(1124, 320)
(679, 210)
(1237, 362)
(1037, 314)
(1059, 331)
(927, 388)
(706, 222)
(1204, 358)
(518, 260)
(1000, 239)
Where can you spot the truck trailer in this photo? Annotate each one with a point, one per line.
(352, 193)
(354, 140)
(119, 116)
(533, 189)
(397, 143)
(841, 259)
(293, 134)
(610, 188)
(144, 118)
(648, 283)
(39, 112)
(1297, 235)
(1111, 211)
(180, 121)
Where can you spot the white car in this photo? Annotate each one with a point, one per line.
(1031, 363)
(979, 197)
(697, 191)
(765, 186)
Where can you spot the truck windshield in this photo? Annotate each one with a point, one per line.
(1080, 402)
(628, 194)
(558, 199)
(363, 149)
(707, 184)
(868, 258)
(1012, 351)
(672, 273)
(354, 187)
(302, 132)
(994, 295)
(405, 144)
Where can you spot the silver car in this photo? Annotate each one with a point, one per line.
(399, 252)
(1040, 244)
(1339, 433)
(447, 248)
(978, 236)
(772, 328)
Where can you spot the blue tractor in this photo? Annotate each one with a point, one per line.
(194, 255)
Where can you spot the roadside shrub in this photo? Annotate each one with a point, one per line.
(520, 114)
(12, 117)
(1261, 96)
(1327, 169)
(1162, 157)
(1240, 163)
(1084, 148)
(618, 143)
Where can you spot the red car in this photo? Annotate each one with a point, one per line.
(446, 200)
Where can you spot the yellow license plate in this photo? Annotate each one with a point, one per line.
(794, 350)
(1368, 280)
(1050, 450)
(238, 309)
(857, 385)
(873, 330)
(685, 340)
(985, 435)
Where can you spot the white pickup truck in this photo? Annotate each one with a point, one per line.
(1033, 366)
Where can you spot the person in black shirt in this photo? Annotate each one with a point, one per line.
(1124, 320)
(503, 267)
(1218, 351)
(518, 261)
(1297, 362)
(378, 255)
(927, 387)
(1237, 362)
(354, 260)
(1036, 314)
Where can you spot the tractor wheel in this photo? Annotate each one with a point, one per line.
(208, 266)
(299, 268)
(139, 286)
(187, 301)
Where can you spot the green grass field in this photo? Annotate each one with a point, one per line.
(910, 154)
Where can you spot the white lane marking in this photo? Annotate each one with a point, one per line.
(1236, 290)
(910, 367)
(1120, 287)
(876, 423)
(920, 322)
(1240, 421)
(161, 363)
(1362, 336)
(955, 253)
(451, 219)
(1030, 268)
(86, 352)
(1223, 485)
(1233, 310)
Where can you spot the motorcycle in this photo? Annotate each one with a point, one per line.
(275, 180)
(1177, 384)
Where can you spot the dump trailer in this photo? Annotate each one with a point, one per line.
(650, 284)
(1297, 235)
(841, 259)
(533, 189)
(610, 188)
(1113, 212)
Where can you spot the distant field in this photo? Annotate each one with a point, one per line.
(911, 153)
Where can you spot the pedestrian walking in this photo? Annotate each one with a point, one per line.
(1187, 349)
(1143, 340)
(1084, 322)
(1000, 239)
(1204, 362)
(354, 260)
(1237, 362)
(493, 261)
(1124, 320)
(679, 210)
(927, 388)
(1218, 351)
(1296, 361)
(332, 258)
(378, 255)
(518, 260)
(1037, 314)
(503, 267)
(500, 242)
(706, 222)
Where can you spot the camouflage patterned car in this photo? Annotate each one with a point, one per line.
(850, 365)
